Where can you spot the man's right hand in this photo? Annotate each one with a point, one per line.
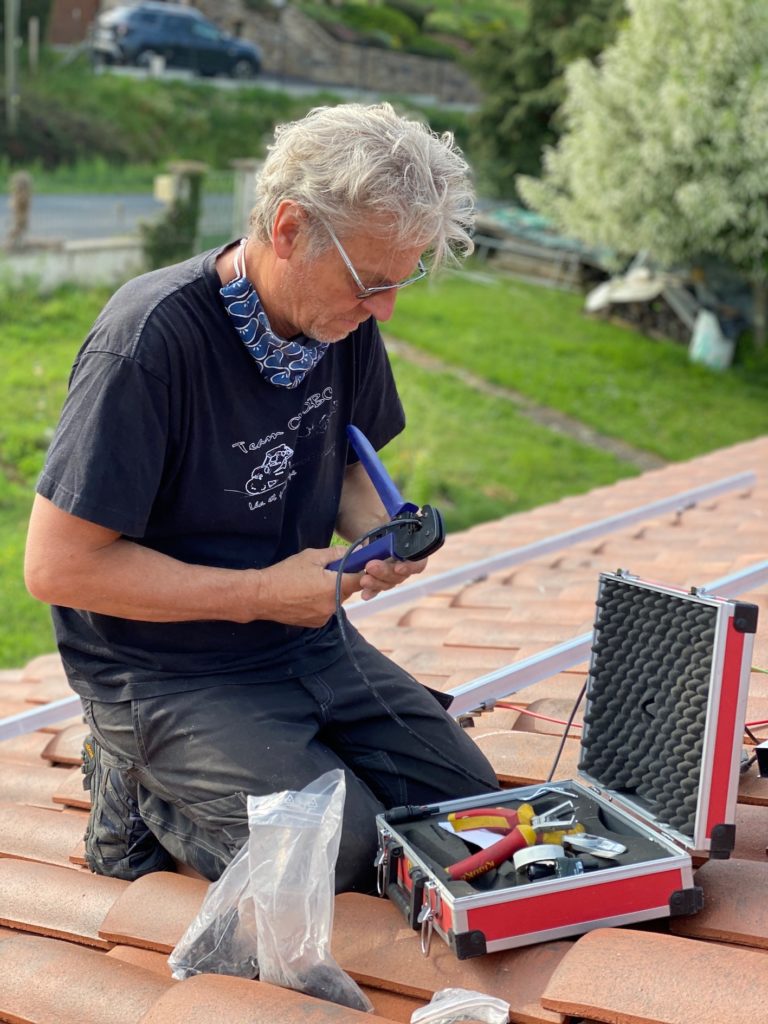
(301, 591)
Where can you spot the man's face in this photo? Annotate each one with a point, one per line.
(321, 295)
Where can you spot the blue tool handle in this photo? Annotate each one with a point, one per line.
(391, 498)
(357, 561)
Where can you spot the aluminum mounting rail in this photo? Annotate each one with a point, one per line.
(37, 717)
(419, 588)
(482, 693)
(48, 714)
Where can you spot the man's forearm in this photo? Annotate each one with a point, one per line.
(78, 564)
(131, 581)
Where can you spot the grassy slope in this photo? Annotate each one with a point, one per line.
(537, 342)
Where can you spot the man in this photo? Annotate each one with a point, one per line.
(182, 524)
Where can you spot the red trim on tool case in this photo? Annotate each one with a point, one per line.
(543, 911)
(722, 757)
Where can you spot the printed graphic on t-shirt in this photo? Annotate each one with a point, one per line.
(278, 464)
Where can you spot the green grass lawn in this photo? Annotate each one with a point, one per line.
(537, 342)
(474, 456)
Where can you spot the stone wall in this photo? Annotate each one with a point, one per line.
(108, 261)
(294, 46)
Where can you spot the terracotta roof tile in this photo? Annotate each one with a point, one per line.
(734, 905)
(445, 660)
(29, 784)
(209, 997)
(427, 615)
(34, 833)
(393, 1005)
(43, 666)
(753, 789)
(56, 901)
(12, 706)
(521, 758)
(175, 901)
(63, 723)
(145, 958)
(46, 981)
(70, 791)
(473, 633)
(25, 749)
(47, 689)
(751, 831)
(633, 977)
(389, 956)
(548, 708)
(66, 747)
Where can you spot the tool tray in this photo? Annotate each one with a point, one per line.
(658, 773)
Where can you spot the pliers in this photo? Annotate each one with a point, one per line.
(519, 828)
(421, 532)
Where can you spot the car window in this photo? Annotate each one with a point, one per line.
(114, 16)
(177, 26)
(146, 17)
(207, 32)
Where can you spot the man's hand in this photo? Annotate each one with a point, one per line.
(383, 575)
(301, 591)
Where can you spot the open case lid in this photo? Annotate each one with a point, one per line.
(666, 701)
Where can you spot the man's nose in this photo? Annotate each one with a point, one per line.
(382, 304)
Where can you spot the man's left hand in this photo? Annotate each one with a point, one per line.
(382, 575)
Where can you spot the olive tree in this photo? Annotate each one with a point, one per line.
(665, 146)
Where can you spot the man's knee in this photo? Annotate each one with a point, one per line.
(118, 842)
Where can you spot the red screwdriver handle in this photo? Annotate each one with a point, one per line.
(482, 861)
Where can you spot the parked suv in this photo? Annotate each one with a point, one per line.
(178, 34)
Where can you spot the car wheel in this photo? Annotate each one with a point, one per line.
(244, 68)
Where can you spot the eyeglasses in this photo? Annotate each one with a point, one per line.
(364, 292)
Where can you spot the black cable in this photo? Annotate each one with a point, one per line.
(341, 617)
(568, 724)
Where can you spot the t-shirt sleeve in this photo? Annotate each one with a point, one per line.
(106, 459)
(378, 411)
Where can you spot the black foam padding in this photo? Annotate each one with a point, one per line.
(648, 690)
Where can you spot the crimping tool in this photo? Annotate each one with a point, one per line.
(420, 534)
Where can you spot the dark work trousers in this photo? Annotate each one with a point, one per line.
(194, 757)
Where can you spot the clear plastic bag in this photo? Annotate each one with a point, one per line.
(458, 1004)
(292, 849)
(222, 938)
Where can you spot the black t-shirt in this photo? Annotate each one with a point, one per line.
(171, 436)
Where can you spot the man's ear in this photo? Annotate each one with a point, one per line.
(289, 220)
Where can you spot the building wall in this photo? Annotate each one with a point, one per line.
(70, 21)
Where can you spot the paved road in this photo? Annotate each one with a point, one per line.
(90, 216)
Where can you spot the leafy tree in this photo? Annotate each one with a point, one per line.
(665, 145)
(520, 70)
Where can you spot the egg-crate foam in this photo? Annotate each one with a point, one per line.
(648, 691)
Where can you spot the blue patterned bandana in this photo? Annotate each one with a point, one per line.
(283, 363)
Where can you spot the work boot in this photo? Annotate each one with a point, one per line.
(117, 841)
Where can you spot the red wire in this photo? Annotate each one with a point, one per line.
(763, 721)
(535, 714)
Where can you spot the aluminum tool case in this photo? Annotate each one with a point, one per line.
(659, 769)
